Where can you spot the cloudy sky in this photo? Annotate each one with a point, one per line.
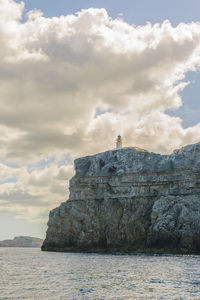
(73, 76)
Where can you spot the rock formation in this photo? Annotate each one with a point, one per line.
(130, 200)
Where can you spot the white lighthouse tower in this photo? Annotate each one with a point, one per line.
(119, 142)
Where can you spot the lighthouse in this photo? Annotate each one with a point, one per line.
(119, 142)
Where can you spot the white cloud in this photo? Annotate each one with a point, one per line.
(56, 72)
(11, 11)
(35, 192)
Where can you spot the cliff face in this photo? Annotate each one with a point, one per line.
(130, 201)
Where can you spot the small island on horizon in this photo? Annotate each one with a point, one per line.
(22, 241)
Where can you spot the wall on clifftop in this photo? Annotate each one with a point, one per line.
(130, 200)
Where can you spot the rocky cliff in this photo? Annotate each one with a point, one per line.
(130, 200)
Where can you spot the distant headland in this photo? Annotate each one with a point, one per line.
(22, 241)
(132, 201)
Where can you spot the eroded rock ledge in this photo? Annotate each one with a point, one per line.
(130, 201)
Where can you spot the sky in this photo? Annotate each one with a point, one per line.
(73, 75)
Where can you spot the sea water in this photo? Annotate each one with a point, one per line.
(28, 273)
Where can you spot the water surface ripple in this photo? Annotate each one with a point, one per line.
(32, 274)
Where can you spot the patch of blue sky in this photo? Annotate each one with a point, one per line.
(8, 180)
(66, 160)
(189, 112)
(12, 165)
(40, 165)
(99, 111)
(136, 12)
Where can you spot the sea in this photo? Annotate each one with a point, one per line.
(29, 273)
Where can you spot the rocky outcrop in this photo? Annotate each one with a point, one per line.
(130, 200)
(22, 241)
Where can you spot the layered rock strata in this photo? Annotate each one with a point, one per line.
(130, 200)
